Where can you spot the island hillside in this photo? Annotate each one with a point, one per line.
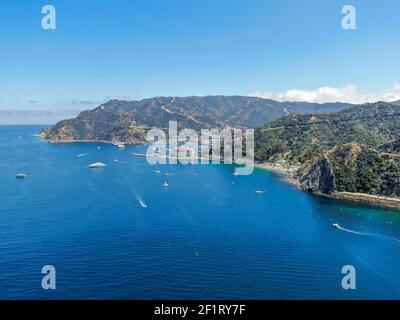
(356, 150)
(127, 121)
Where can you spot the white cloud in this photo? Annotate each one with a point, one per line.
(392, 94)
(348, 93)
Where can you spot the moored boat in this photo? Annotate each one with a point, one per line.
(97, 165)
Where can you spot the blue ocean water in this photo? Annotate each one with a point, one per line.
(207, 236)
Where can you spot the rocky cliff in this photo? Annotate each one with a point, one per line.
(319, 178)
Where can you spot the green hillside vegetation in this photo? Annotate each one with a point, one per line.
(361, 145)
(127, 121)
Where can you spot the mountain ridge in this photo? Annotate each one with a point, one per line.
(126, 121)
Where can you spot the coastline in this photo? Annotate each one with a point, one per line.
(89, 141)
(368, 199)
(283, 171)
(362, 198)
(287, 173)
(271, 167)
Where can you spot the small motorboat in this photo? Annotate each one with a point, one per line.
(120, 146)
(20, 175)
(336, 225)
(97, 165)
(141, 202)
(157, 171)
(260, 191)
(82, 155)
(165, 185)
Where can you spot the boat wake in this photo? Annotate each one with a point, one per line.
(141, 202)
(82, 154)
(351, 231)
(375, 235)
(119, 161)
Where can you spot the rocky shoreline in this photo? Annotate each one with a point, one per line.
(362, 198)
(43, 137)
(368, 199)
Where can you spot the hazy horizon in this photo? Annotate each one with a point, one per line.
(50, 117)
(35, 117)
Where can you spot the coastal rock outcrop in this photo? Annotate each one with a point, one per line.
(320, 178)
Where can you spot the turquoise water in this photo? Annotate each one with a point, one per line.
(207, 236)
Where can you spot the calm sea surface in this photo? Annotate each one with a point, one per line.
(207, 236)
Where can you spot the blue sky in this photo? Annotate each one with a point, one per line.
(138, 49)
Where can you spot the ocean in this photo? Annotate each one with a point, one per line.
(209, 235)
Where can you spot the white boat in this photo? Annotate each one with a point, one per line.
(157, 171)
(165, 185)
(82, 154)
(97, 165)
(21, 175)
(336, 225)
(260, 191)
(120, 146)
(144, 206)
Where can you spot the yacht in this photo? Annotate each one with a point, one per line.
(97, 165)
(20, 175)
(165, 185)
(120, 146)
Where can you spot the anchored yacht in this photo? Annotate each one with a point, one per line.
(97, 165)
